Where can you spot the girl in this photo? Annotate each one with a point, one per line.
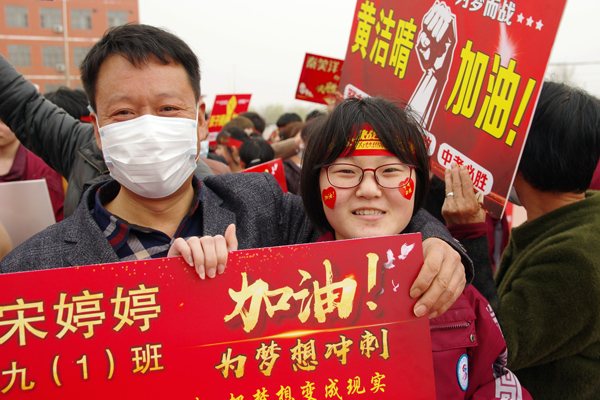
(366, 173)
(229, 143)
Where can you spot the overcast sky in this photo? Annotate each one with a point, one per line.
(258, 46)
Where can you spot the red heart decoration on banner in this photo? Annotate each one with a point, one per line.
(408, 190)
(329, 197)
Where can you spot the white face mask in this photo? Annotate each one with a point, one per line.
(204, 149)
(149, 155)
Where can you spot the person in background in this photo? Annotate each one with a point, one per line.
(292, 165)
(229, 143)
(595, 185)
(281, 123)
(19, 164)
(256, 151)
(5, 242)
(217, 164)
(257, 120)
(286, 119)
(240, 122)
(73, 101)
(314, 114)
(548, 280)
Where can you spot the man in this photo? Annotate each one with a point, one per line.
(548, 280)
(144, 86)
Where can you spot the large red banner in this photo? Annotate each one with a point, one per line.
(471, 69)
(319, 79)
(326, 320)
(226, 108)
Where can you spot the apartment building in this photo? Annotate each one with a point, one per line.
(46, 40)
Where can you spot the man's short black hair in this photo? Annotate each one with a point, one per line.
(256, 151)
(73, 101)
(563, 146)
(287, 118)
(313, 114)
(329, 135)
(136, 43)
(257, 120)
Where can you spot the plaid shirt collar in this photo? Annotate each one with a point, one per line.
(132, 242)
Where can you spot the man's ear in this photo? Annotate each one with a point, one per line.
(94, 121)
(202, 123)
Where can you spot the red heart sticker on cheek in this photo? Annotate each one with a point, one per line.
(329, 197)
(408, 190)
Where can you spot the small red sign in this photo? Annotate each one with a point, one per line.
(226, 107)
(319, 79)
(275, 168)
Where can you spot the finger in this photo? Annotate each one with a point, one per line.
(210, 255)
(449, 205)
(450, 212)
(449, 296)
(231, 244)
(231, 238)
(443, 29)
(467, 183)
(424, 41)
(221, 253)
(437, 25)
(456, 182)
(195, 247)
(179, 249)
(444, 260)
(431, 266)
(468, 190)
(446, 17)
(448, 179)
(428, 16)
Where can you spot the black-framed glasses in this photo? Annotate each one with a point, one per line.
(389, 176)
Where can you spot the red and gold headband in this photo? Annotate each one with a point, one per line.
(230, 142)
(368, 144)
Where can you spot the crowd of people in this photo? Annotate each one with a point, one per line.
(132, 181)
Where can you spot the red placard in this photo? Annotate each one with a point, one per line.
(299, 320)
(226, 107)
(472, 70)
(319, 79)
(275, 168)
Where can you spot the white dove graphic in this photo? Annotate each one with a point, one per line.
(406, 249)
(390, 262)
